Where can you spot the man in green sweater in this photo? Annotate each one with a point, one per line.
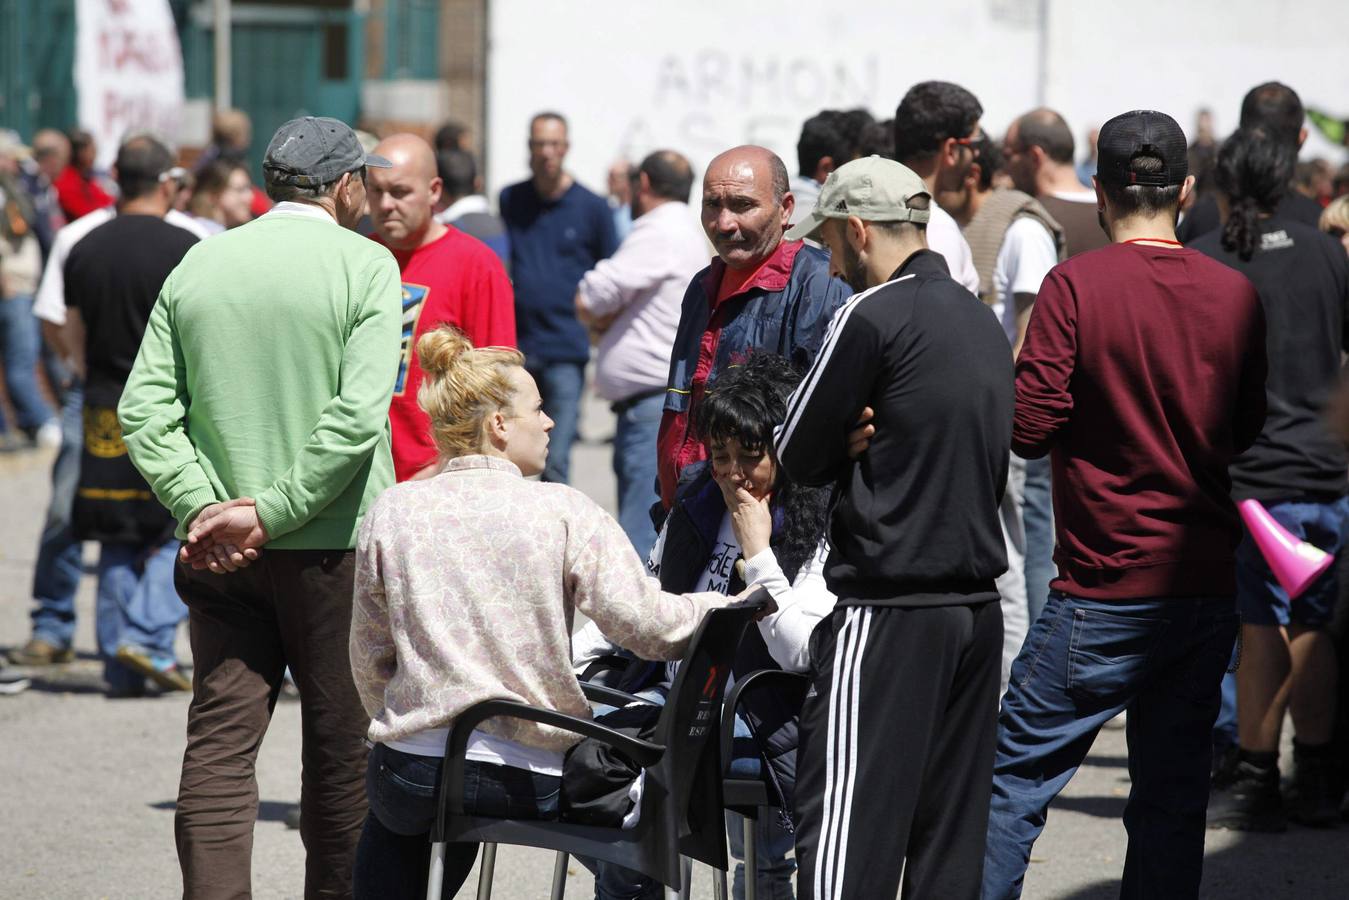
(257, 410)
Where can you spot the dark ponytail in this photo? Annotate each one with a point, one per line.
(1253, 172)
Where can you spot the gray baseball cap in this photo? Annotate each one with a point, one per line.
(315, 151)
(874, 189)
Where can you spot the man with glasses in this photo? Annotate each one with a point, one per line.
(1015, 243)
(1039, 151)
(936, 125)
(558, 231)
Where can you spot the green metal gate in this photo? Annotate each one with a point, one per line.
(37, 62)
(286, 61)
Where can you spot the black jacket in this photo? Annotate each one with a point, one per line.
(690, 535)
(915, 521)
(1303, 280)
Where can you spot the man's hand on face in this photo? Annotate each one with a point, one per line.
(224, 537)
(860, 436)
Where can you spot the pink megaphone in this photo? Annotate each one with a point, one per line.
(1296, 564)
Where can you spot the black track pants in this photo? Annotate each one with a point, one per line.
(896, 754)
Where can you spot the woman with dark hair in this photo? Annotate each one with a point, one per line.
(1297, 469)
(737, 521)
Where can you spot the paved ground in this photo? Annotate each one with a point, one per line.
(89, 783)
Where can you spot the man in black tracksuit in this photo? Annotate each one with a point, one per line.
(898, 731)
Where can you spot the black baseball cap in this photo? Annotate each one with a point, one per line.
(314, 151)
(1141, 131)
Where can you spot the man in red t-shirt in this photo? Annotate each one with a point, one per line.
(448, 277)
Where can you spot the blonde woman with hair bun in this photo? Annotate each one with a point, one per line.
(1335, 220)
(481, 401)
(467, 584)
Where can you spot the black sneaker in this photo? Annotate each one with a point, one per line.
(1224, 768)
(1251, 802)
(1311, 796)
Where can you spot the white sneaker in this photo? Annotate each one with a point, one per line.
(13, 682)
(48, 435)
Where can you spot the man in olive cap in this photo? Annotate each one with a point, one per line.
(898, 728)
(257, 410)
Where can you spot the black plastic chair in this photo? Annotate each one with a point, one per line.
(750, 796)
(681, 797)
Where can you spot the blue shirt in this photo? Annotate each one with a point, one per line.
(553, 244)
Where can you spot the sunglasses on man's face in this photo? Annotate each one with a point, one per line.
(971, 142)
(177, 173)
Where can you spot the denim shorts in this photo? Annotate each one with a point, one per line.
(1261, 600)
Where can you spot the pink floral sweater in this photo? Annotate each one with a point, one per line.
(466, 587)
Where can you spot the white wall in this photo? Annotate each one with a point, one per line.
(700, 76)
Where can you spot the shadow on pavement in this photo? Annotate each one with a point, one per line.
(1304, 863)
(83, 675)
(1101, 807)
(1106, 761)
(268, 810)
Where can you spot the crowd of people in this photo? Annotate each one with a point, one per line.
(974, 417)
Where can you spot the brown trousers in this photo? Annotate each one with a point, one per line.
(290, 608)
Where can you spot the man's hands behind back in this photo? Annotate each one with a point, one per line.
(224, 537)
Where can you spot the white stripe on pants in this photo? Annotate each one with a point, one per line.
(841, 764)
(1012, 583)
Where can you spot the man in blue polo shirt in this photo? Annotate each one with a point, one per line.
(558, 231)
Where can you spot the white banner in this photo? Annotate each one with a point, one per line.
(128, 71)
(700, 76)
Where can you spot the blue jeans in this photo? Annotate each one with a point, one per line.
(1261, 600)
(1038, 519)
(560, 385)
(136, 604)
(56, 575)
(775, 842)
(1084, 662)
(1225, 727)
(635, 466)
(20, 341)
(394, 852)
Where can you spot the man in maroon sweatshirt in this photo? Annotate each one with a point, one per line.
(1142, 375)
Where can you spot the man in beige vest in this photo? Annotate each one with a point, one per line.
(1014, 242)
(1038, 150)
